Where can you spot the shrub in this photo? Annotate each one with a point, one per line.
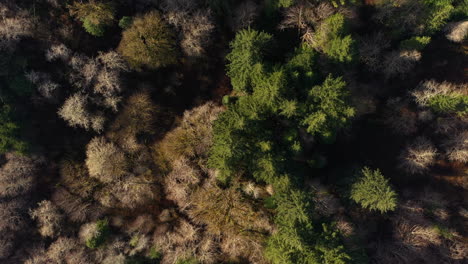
(148, 42)
(96, 16)
(125, 22)
(415, 43)
(10, 139)
(372, 191)
(457, 104)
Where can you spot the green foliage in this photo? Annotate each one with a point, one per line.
(443, 231)
(460, 11)
(247, 50)
(21, 86)
(148, 42)
(9, 132)
(437, 12)
(449, 104)
(332, 39)
(96, 16)
(125, 22)
(373, 191)
(326, 109)
(297, 239)
(155, 254)
(93, 29)
(188, 261)
(415, 43)
(103, 232)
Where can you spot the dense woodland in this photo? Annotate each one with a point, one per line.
(234, 131)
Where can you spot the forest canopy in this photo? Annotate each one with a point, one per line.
(233, 131)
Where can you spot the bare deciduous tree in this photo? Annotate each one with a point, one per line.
(14, 25)
(457, 32)
(105, 161)
(48, 218)
(371, 48)
(399, 63)
(429, 88)
(195, 30)
(400, 118)
(74, 207)
(244, 15)
(17, 175)
(75, 111)
(58, 51)
(418, 156)
(456, 147)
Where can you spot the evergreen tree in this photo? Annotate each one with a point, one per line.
(332, 39)
(372, 191)
(247, 50)
(326, 109)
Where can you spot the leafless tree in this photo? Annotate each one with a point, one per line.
(69, 251)
(48, 218)
(371, 48)
(58, 51)
(105, 161)
(75, 111)
(399, 117)
(74, 207)
(456, 147)
(400, 63)
(17, 175)
(14, 25)
(429, 88)
(195, 29)
(457, 32)
(244, 15)
(418, 156)
(179, 5)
